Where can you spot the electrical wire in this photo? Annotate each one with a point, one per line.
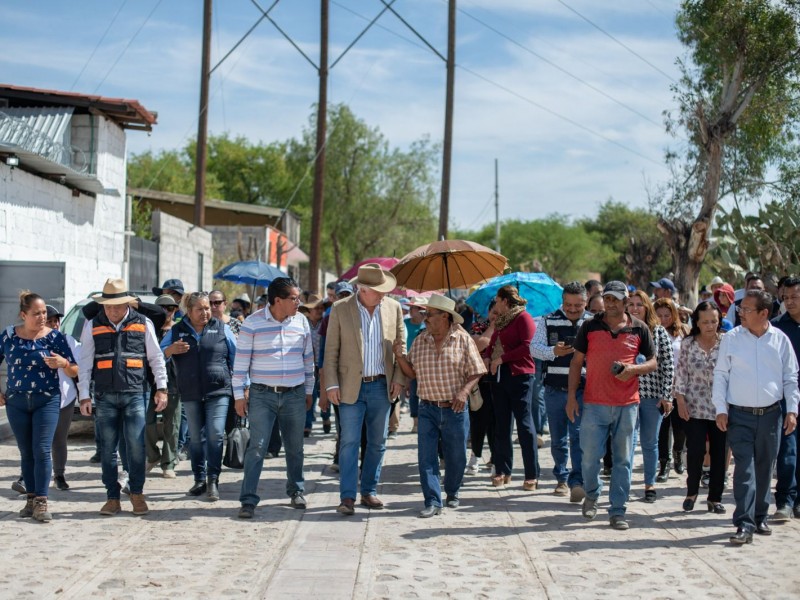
(102, 38)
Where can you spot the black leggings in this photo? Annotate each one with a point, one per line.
(678, 435)
(481, 421)
(697, 432)
(59, 448)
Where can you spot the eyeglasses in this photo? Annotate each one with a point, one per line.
(216, 302)
(295, 299)
(746, 311)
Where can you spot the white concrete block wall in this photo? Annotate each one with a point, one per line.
(179, 244)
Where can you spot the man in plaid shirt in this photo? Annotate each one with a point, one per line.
(446, 364)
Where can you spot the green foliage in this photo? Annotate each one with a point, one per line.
(141, 220)
(167, 171)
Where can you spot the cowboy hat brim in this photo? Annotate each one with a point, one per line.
(100, 299)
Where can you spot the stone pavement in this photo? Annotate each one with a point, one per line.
(499, 544)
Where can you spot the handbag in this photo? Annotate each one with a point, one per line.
(475, 398)
(237, 439)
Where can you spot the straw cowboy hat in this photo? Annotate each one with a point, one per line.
(115, 291)
(445, 305)
(372, 276)
(313, 301)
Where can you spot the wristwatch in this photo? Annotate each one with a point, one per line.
(162, 390)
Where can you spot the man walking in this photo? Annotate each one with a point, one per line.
(786, 497)
(446, 364)
(360, 376)
(610, 343)
(553, 345)
(274, 350)
(756, 368)
(114, 347)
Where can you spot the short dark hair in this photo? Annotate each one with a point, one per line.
(331, 285)
(763, 299)
(574, 287)
(591, 283)
(791, 281)
(279, 288)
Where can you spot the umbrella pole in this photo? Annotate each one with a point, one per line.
(447, 273)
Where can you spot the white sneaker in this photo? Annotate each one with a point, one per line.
(472, 465)
(168, 473)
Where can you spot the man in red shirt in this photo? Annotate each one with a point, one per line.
(613, 345)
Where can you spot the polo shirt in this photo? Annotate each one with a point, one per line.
(603, 348)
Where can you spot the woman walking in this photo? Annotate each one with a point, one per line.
(34, 353)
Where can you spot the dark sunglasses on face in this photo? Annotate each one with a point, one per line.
(217, 302)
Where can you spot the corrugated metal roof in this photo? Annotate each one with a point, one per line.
(43, 130)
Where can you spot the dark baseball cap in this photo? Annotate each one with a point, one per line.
(664, 284)
(617, 289)
(169, 284)
(52, 312)
(344, 287)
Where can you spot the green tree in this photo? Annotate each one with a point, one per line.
(738, 111)
(167, 171)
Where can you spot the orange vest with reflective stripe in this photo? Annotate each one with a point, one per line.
(119, 356)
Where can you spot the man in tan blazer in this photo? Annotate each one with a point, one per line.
(361, 378)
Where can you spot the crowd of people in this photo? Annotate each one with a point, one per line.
(611, 369)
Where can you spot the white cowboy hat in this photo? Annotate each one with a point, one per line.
(114, 292)
(372, 276)
(445, 305)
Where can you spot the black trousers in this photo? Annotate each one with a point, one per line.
(697, 432)
(512, 401)
(481, 421)
(678, 435)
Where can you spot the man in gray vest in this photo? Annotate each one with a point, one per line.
(114, 348)
(552, 344)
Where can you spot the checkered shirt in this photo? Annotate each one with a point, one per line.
(441, 374)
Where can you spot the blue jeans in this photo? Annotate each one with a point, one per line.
(325, 415)
(649, 425)
(436, 423)
(371, 407)
(538, 407)
(33, 418)
(754, 441)
(264, 409)
(788, 468)
(597, 423)
(183, 430)
(565, 436)
(413, 399)
(208, 413)
(116, 414)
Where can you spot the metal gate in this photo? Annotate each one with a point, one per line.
(45, 278)
(143, 273)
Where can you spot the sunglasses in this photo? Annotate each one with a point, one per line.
(217, 302)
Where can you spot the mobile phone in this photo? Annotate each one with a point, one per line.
(569, 340)
(617, 368)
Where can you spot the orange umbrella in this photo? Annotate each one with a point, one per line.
(448, 264)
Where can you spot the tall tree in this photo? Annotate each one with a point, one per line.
(738, 109)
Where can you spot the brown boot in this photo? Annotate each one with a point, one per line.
(139, 505)
(28, 510)
(111, 507)
(40, 512)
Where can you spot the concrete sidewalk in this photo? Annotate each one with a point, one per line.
(499, 544)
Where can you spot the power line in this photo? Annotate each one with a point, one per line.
(102, 38)
(480, 216)
(628, 48)
(128, 45)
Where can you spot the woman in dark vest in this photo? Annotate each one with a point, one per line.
(203, 349)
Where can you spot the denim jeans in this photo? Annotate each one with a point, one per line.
(171, 416)
(325, 415)
(538, 408)
(33, 417)
(121, 415)
(265, 408)
(597, 422)
(371, 407)
(413, 399)
(183, 430)
(565, 436)
(206, 454)
(649, 426)
(754, 441)
(444, 423)
(788, 468)
(512, 401)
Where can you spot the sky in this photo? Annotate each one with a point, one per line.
(567, 95)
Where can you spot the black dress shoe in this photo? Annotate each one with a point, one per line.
(688, 504)
(60, 482)
(763, 529)
(716, 507)
(213, 490)
(741, 537)
(197, 489)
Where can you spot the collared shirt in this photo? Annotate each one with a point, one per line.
(442, 373)
(155, 358)
(69, 391)
(230, 340)
(272, 352)
(541, 348)
(694, 378)
(372, 335)
(755, 371)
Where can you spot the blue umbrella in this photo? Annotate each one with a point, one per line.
(250, 272)
(542, 293)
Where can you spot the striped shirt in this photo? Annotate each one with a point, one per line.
(372, 334)
(272, 352)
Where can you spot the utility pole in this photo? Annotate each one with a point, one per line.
(496, 209)
(319, 163)
(447, 152)
(202, 121)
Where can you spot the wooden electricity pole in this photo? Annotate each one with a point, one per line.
(202, 121)
(319, 163)
(447, 152)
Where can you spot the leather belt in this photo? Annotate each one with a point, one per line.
(276, 389)
(440, 404)
(757, 411)
(372, 378)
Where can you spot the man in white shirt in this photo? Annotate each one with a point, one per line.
(756, 368)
